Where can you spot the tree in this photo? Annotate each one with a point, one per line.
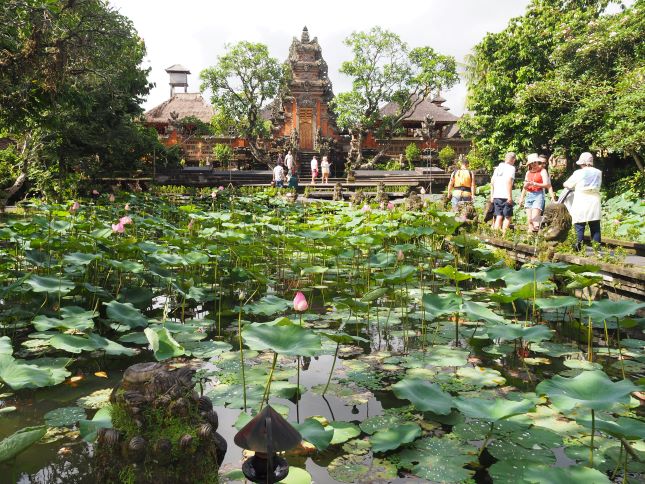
(385, 70)
(223, 154)
(242, 83)
(412, 154)
(70, 89)
(446, 156)
(505, 64)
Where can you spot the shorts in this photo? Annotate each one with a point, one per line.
(534, 200)
(502, 208)
(464, 198)
(314, 173)
(325, 172)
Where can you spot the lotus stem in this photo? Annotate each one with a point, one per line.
(620, 349)
(486, 439)
(593, 431)
(267, 389)
(331, 371)
(239, 340)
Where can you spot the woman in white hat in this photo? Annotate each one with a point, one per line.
(585, 208)
(536, 182)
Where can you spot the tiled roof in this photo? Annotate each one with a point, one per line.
(185, 105)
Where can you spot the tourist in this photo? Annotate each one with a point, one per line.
(544, 161)
(324, 166)
(280, 159)
(314, 170)
(585, 208)
(536, 182)
(278, 175)
(502, 192)
(462, 184)
(288, 160)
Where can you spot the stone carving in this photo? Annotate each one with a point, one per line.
(466, 213)
(338, 193)
(414, 203)
(164, 432)
(357, 198)
(556, 222)
(381, 195)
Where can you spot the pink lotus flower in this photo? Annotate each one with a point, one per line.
(221, 187)
(190, 224)
(75, 206)
(95, 193)
(126, 207)
(213, 194)
(111, 198)
(125, 220)
(366, 208)
(390, 206)
(300, 303)
(118, 228)
(400, 256)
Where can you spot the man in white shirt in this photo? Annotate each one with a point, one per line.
(278, 175)
(289, 162)
(502, 192)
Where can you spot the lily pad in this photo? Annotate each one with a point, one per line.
(424, 395)
(297, 476)
(283, 337)
(64, 416)
(163, 344)
(343, 431)
(125, 314)
(268, 306)
(492, 410)
(565, 475)
(50, 285)
(361, 468)
(390, 439)
(313, 432)
(381, 422)
(439, 459)
(484, 377)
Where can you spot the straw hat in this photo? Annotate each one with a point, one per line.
(532, 158)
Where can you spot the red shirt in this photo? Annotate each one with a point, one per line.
(536, 177)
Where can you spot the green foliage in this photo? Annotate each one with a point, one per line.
(244, 80)
(223, 154)
(412, 154)
(447, 156)
(565, 77)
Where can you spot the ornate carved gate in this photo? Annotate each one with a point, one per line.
(306, 129)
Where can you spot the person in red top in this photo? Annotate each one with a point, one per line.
(536, 182)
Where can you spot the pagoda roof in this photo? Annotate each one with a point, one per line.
(184, 105)
(423, 109)
(177, 68)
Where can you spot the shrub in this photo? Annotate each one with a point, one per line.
(447, 156)
(412, 154)
(223, 154)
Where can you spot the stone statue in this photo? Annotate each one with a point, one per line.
(414, 202)
(338, 193)
(381, 195)
(556, 222)
(163, 430)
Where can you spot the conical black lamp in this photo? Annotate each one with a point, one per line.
(267, 433)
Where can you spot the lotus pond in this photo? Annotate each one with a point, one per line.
(413, 354)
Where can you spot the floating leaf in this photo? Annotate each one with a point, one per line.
(565, 475)
(424, 395)
(268, 306)
(313, 432)
(439, 459)
(19, 374)
(381, 422)
(283, 337)
(126, 314)
(484, 377)
(72, 343)
(96, 399)
(436, 305)
(64, 416)
(14, 444)
(343, 431)
(390, 439)
(297, 476)
(5, 345)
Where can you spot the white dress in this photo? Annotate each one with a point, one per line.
(585, 183)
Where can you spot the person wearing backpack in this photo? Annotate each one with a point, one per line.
(462, 184)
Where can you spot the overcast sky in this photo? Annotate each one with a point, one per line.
(193, 32)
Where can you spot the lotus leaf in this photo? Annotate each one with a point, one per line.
(206, 349)
(21, 440)
(313, 432)
(439, 459)
(343, 431)
(20, 374)
(564, 475)
(80, 258)
(283, 337)
(449, 272)
(400, 274)
(477, 311)
(268, 306)
(126, 314)
(96, 399)
(444, 356)
(163, 344)
(381, 422)
(424, 395)
(590, 389)
(50, 285)
(484, 377)
(492, 410)
(102, 419)
(72, 343)
(624, 427)
(360, 468)
(348, 392)
(110, 347)
(5, 345)
(556, 302)
(297, 476)
(64, 416)
(606, 308)
(527, 333)
(436, 305)
(390, 439)
(374, 294)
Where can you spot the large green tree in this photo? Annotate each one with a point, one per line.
(385, 69)
(504, 65)
(242, 83)
(71, 85)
